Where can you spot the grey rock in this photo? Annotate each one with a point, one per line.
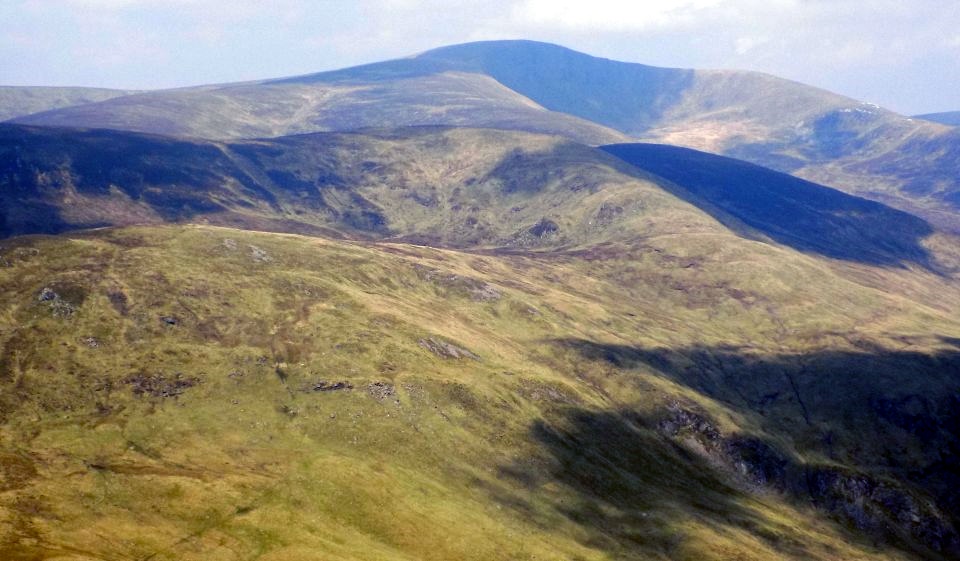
(47, 295)
(444, 349)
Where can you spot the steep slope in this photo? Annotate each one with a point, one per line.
(439, 186)
(18, 101)
(205, 393)
(790, 210)
(951, 118)
(540, 87)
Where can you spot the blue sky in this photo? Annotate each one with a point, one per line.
(903, 54)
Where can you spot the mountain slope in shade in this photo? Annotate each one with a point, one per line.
(951, 118)
(461, 187)
(540, 87)
(441, 186)
(18, 101)
(790, 210)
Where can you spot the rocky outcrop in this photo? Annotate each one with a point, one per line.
(160, 385)
(872, 504)
(444, 349)
(450, 283)
(878, 506)
(327, 386)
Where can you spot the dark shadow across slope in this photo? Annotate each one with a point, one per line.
(175, 179)
(887, 421)
(633, 491)
(791, 211)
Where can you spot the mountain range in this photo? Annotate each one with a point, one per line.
(538, 87)
(499, 300)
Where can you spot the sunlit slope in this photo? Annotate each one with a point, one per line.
(260, 109)
(208, 393)
(848, 144)
(17, 101)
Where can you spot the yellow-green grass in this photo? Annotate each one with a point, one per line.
(535, 450)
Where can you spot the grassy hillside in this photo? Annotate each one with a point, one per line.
(525, 85)
(259, 109)
(503, 345)
(436, 186)
(918, 176)
(855, 146)
(18, 101)
(206, 393)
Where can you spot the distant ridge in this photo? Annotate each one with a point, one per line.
(830, 139)
(18, 101)
(951, 118)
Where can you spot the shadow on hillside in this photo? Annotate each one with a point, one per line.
(885, 426)
(882, 412)
(126, 173)
(634, 493)
(786, 209)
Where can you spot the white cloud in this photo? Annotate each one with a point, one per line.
(745, 45)
(610, 15)
(124, 4)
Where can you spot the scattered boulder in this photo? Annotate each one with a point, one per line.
(381, 390)
(685, 423)
(544, 392)
(259, 255)
(444, 349)
(607, 214)
(170, 320)
(485, 292)
(478, 290)
(59, 305)
(91, 342)
(545, 227)
(48, 295)
(325, 386)
(543, 232)
(160, 385)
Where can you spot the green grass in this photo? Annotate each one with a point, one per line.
(527, 453)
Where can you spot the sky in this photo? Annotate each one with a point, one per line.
(901, 54)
